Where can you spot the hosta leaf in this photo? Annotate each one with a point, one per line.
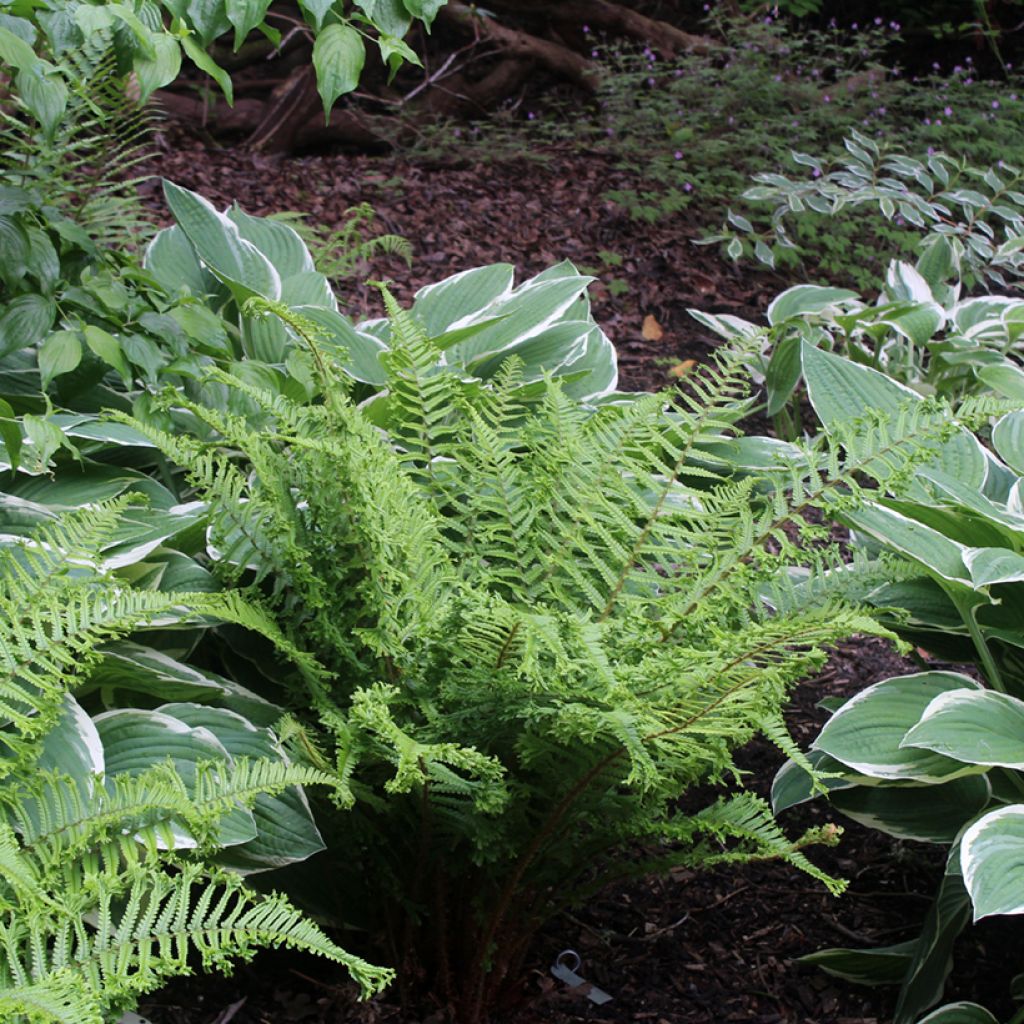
(884, 965)
(806, 298)
(992, 860)
(355, 351)
(218, 242)
(792, 785)
(173, 262)
(25, 322)
(838, 389)
(959, 1013)
(1008, 439)
(441, 305)
(932, 814)
(286, 832)
(867, 732)
(135, 740)
(281, 244)
(975, 726)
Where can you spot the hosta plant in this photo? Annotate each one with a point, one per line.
(921, 331)
(539, 624)
(936, 756)
(112, 824)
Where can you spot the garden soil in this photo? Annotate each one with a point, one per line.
(692, 948)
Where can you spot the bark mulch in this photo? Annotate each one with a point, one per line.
(688, 949)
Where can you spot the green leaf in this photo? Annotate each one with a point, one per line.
(440, 305)
(16, 52)
(992, 860)
(45, 95)
(1008, 439)
(884, 965)
(792, 785)
(135, 740)
(205, 62)
(959, 1013)
(867, 732)
(804, 299)
(245, 15)
(317, 10)
(932, 958)
(286, 832)
(25, 322)
(10, 434)
(1007, 380)
(974, 726)
(279, 243)
(839, 390)
(357, 352)
(73, 746)
(783, 374)
(171, 259)
(218, 242)
(425, 10)
(60, 353)
(108, 348)
(161, 68)
(338, 56)
(931, 814)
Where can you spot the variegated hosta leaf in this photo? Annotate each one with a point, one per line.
(867, 732)
(992, 860)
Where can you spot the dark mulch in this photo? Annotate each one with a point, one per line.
(714, 947)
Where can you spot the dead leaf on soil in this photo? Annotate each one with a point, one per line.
(651, 330)
(683, 368)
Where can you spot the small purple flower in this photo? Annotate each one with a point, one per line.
(881, 111)
(530, 116)
(816, 173)
(948, 111)
(895, 26)
(927, 120)
(995, 104)
(931, 151)
(586, 30)
(935, 65)
(678, 154)
(1013, 97)
(826, 98)
(650, 82)
(968, 81)
(687, 187)
(854, 26)
(878, 21)
(593, 53)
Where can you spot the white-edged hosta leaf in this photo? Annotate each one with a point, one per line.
(959, 1013)
(73, 746)
(992, 861)
(839, 390)
(802, 299)
(173, 262)
(135, 740)
(792, 785)
(927, 814)
(867, 732)
(1008, 439)
(975, 726)
(218, 242)
(441, 305)
(357, 352)
(134, 668)
(286, 832)
(884, 965)
(280, 243)
(1006, 380)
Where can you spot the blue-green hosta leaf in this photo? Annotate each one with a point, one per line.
(927, 814)
(308, 288)
(989, 566)
(286, 832)
(803, 299)
(528, 310)
(93, 428)
(135, 740)
(975, 726)
(884, 965)
(281, 244)
(1006, 380)
(445, 303)
(916, 540)
(338, 56)
(173, 262)
(73, 746)
(839, 390)
(357, 352)
(595, 372)
(1008, 440)
(992, 860)
(548, 351)
(79, 485)
(218, 242)
(867, 732)
(959, 1013)
(792, 785)
(134, 668)
(917, 322)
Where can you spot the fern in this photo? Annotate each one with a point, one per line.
(544, 623)
(98, 902)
